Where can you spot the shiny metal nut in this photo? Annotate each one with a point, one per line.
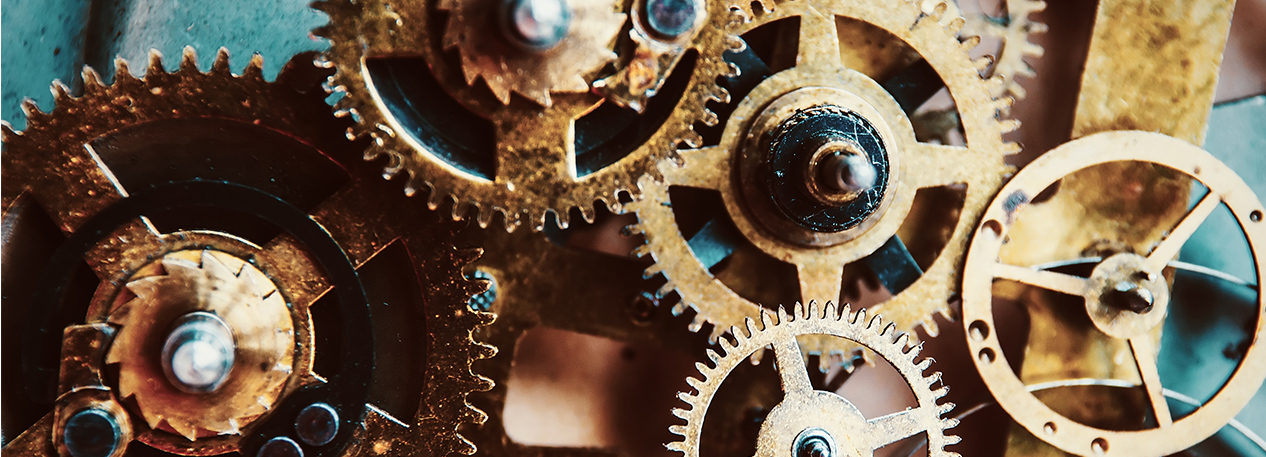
(91, 433)
(199, 353)
(537, 24)
(317, 424)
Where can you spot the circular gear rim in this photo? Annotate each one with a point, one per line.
(932, 293)
(741, 343)
(528, 189)
(47, 157)
(991, 362)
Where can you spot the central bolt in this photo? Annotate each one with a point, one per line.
(847, 173)
(199, 353)
(1128, 295)
(538, 25)
(672, 18)
(91, 432)
(814, 442)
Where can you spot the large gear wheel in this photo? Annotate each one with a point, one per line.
(213, 213)
(1126, 296)
(458, 142)
(808, 420)
(774, 193)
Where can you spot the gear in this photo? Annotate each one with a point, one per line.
(806, 415)
(183, 191)
(1013, 29)
(1126, 296)
(459, 142)
(591, 29)
(245, 300)
(774, 170)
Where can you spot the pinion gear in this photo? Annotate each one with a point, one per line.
(804, 409)
(517, 159)
(121, 140)
(820, 258)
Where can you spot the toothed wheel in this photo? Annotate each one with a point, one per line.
(817, 169)
(810, 422)
(1013, 28)
(179, 230)
(462, 142)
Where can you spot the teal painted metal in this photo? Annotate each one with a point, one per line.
(45, 40)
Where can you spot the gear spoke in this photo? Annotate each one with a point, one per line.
(791, 368)
(304, 281)
(820, 279)
(114, 255)
(819, 44)
(895, 427)
(1145, 354)
(1046, 279)
(1169, 247)
(706, 168)
(935, 165)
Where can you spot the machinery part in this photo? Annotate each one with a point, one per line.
(1164, 433)
(191, 194)
(458, 142)
(227, 355)
(661, 33)
(1013, 28)
(810, 422)
(769, 159)
(544, 45)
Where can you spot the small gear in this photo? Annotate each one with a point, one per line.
(1126, 296)
(237, 295)
(181, 191)
(1014, 30)
(818, 167)
(459, 142)
(808, 420)
(510, 65)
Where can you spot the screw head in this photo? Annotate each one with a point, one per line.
(317, 424)
(537, 25)
(199, 352)
(1130, 296)
(280, 447)
(672, 18)
(91, 432)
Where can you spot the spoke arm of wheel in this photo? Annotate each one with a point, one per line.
(124, 249)
(292, 266)
(791, 368)
(1046, 279)
(934, 165)
(705, 168)
(820, 280)
(1145, 357)
(894, 427)
(819, 42)
(1169, 247)
(34, 440)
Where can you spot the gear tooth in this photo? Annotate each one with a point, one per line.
(681, 308)
(155, 67)
(695, 383)
(642, 250)
(889, 329)
(692, 138)
(633, 230)
(902, 341)
(61, 94)
(996, 84)
(1003, 104)
(781, 315)
(829, 311)
(750, 324)
(6, 132)
(860, 317)
(913, 350)
(1008, 125)
(587, 212)
(484, 216)
(983, 63)
(876, 322)
(696, 324)
(938, 12)
(189, 60)
(121, 71)
(930, 327)
(681, 413)
(709, 118)
(665, 289)
(652, 270)
(944, 408)
(677, 429)
(713, 356)
(92, 81)
(969, 42)
(679, 446)
(254, 69)
(955, 25)
(221, 63)
(811, 310)
(948, 423)
(924, 364)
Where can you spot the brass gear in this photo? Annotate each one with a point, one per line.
(485, 54)
(820, 259)
(519, 160)
(1135, 328)
(249, 304)
(804, 409)
(118, 144)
